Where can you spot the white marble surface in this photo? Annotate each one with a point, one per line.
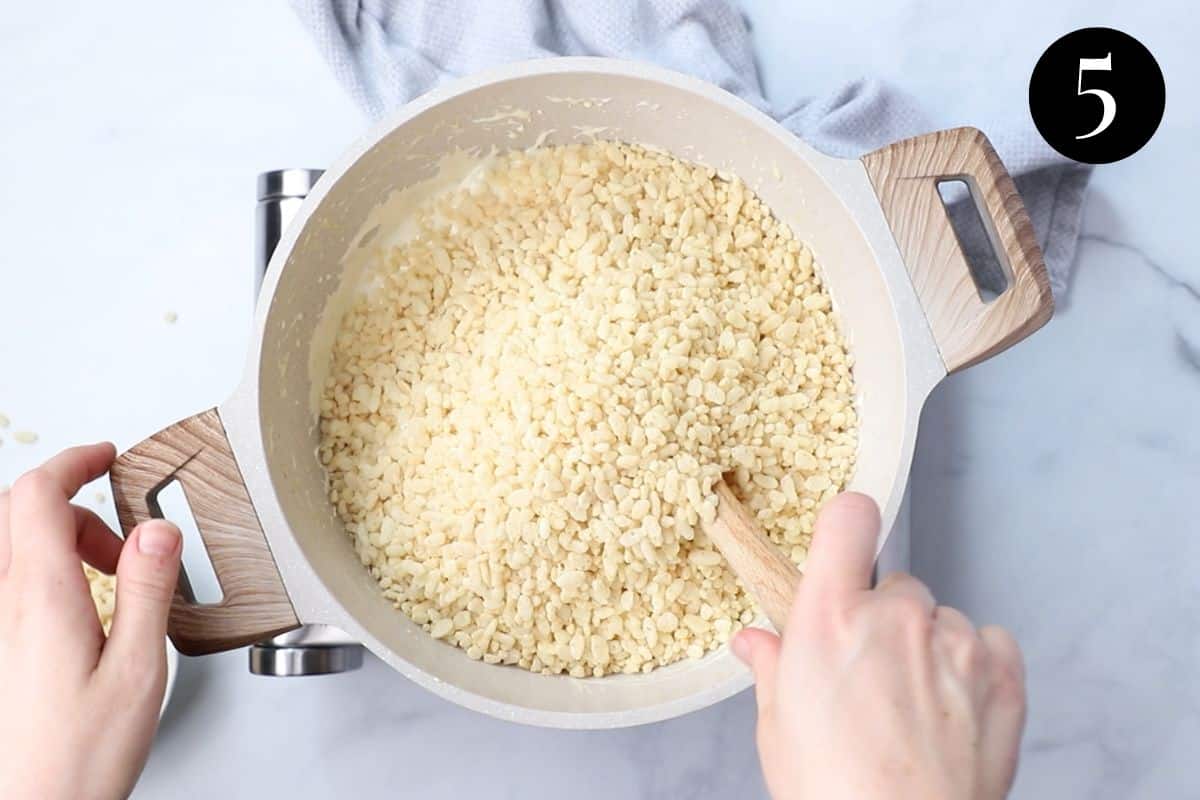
(1054, 487)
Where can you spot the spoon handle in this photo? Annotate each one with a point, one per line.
(768, 574)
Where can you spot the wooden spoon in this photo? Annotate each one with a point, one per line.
(768, 574)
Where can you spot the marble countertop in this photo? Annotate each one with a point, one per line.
(1054, 486)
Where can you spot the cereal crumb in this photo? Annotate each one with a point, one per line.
(25, 437)
(4, 421)
(170, 317)
(101, 497)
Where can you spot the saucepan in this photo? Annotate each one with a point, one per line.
(893, 266)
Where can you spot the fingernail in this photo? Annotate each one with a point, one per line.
(740, 648)
(157, 538)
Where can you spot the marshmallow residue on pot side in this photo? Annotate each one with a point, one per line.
(524, 414)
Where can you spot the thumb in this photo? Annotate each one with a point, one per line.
(146, 576)
(759, 650)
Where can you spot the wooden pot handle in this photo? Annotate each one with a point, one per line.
(196, 452)
(905, 176)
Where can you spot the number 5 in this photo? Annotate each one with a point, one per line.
(1106, 99)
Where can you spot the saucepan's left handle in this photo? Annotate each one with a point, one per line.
(967, 328)
(196, 452)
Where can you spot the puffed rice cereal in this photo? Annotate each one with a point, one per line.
(526, 411)
(104, 594)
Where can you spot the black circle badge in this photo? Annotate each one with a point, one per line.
(1097, 95)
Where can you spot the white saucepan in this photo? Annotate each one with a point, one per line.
(876, 225)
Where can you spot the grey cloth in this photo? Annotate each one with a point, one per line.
(387, 52)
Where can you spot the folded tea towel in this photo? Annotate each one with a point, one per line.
(387, 52)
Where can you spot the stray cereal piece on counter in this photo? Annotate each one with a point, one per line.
(25, 437)
(525, 415)
(101, 497)
(170, 317)
(4, 421)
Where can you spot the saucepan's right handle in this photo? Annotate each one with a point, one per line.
(196, 452)
(905, 176)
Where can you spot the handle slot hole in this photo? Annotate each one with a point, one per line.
(976, 237)
(199, 579)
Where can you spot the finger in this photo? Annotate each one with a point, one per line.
(842, 556)
(953, 620)
(50, 579)
(1000, 737)
(959, 646)
(146, 576)
(963, 655)
(41, 523)
(98, 545)
(903, 585)
(759, 650)
(41, 527)
(75, 466)
(1005, 654)
(5, 539)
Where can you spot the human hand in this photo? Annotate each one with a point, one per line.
(78, 711)
(881, 693)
